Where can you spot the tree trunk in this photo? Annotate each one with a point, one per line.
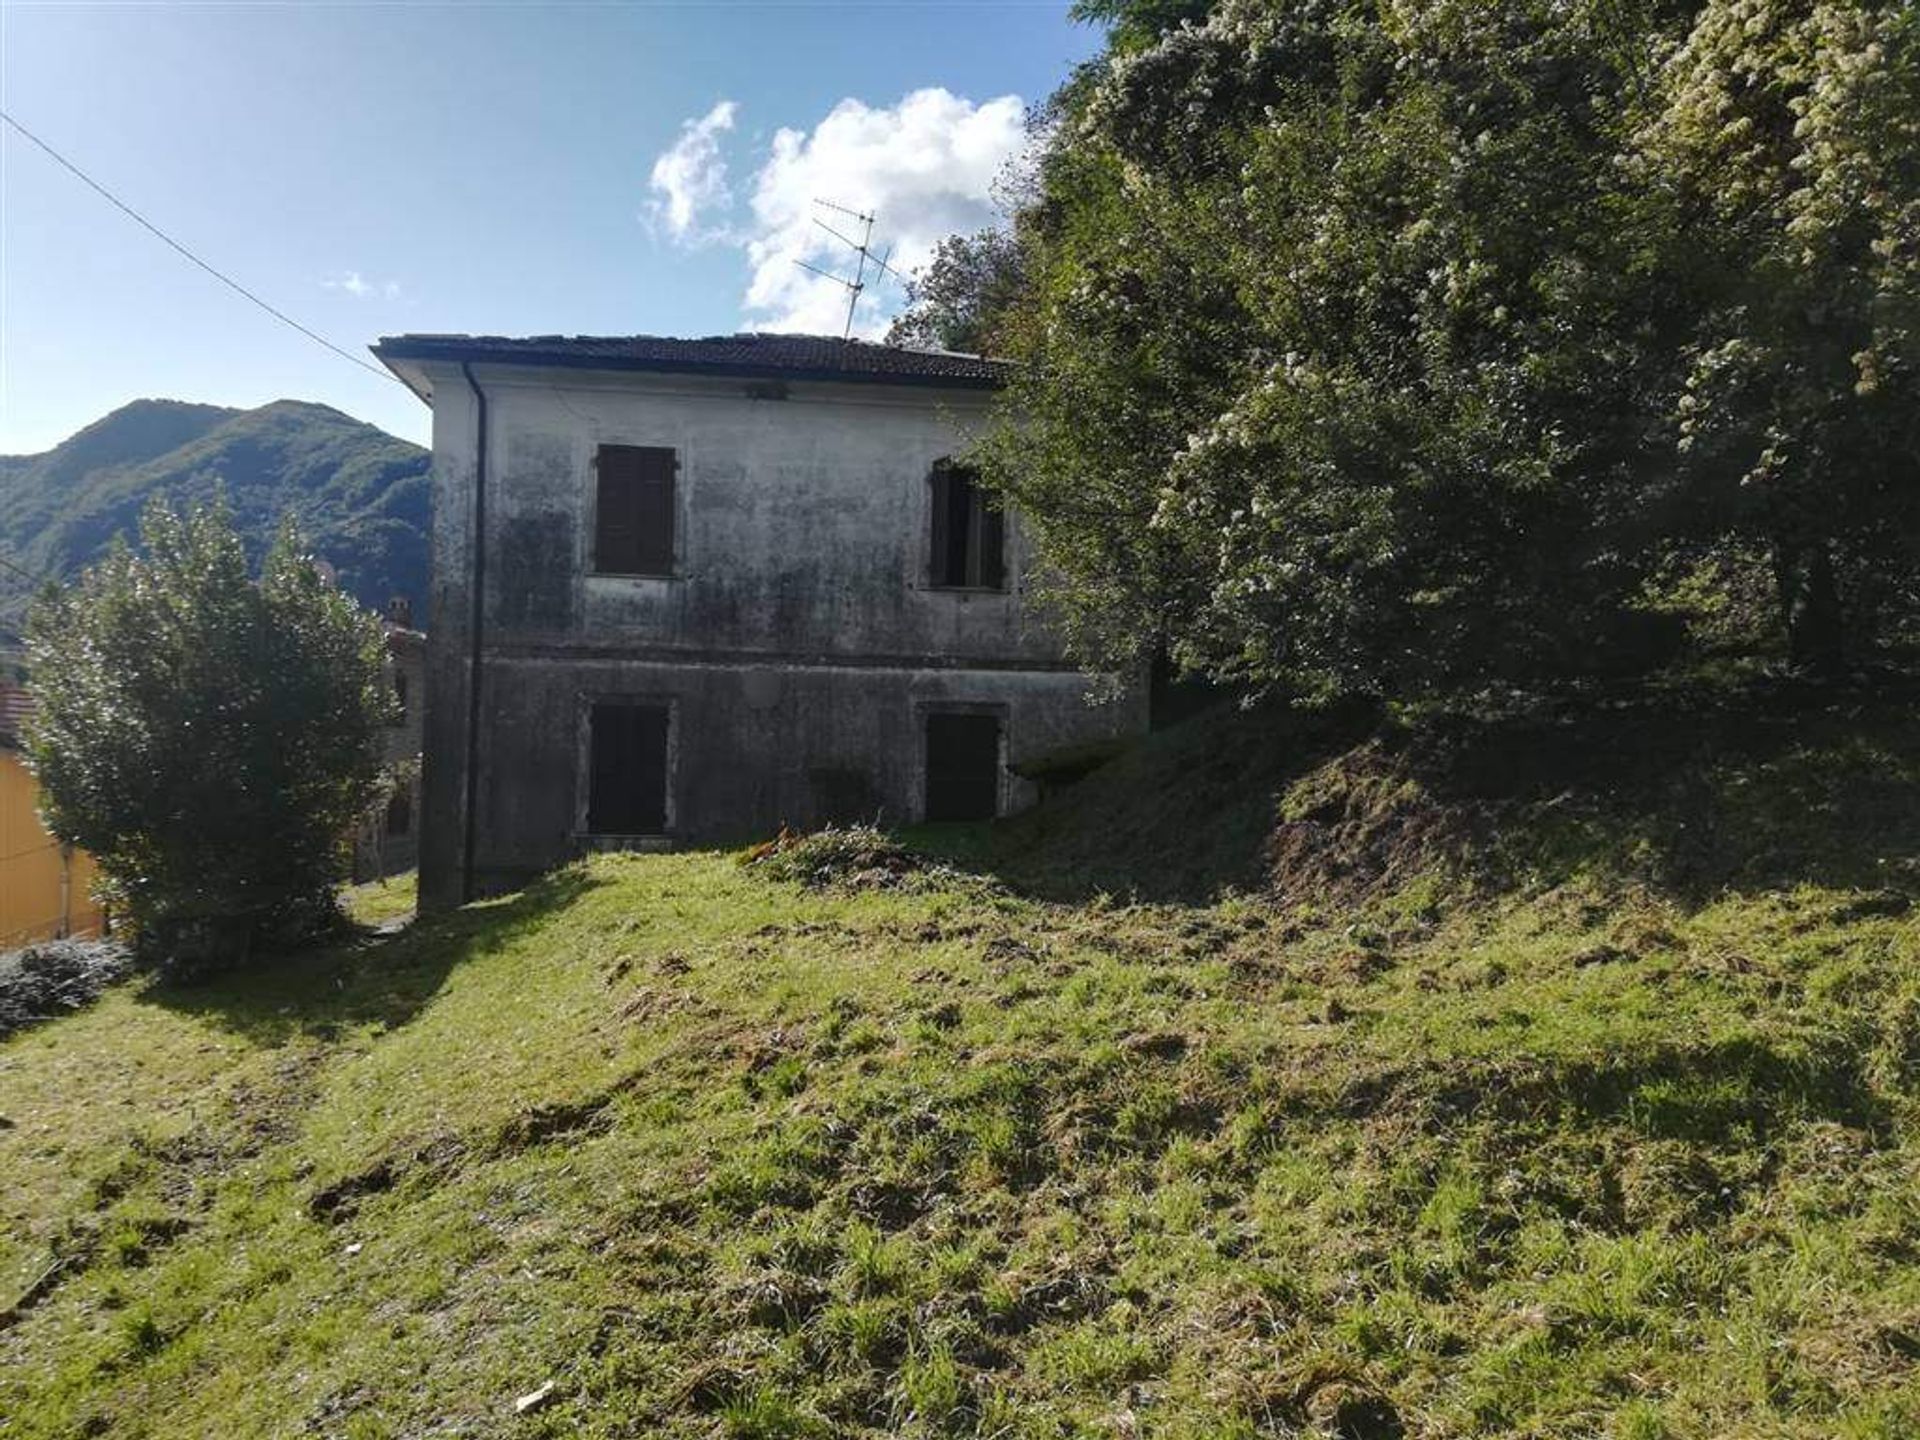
(1810, 605)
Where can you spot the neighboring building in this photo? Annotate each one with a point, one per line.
(46, 888)
(725, 585)
(390, 841)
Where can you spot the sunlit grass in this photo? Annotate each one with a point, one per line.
(719, 1155)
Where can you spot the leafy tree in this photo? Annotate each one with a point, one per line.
(1778, 162)
(1134, 23)
(1402, 348)
(209, 738)
(968, 285)
(1303, 397)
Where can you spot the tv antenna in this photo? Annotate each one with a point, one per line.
(864, 257)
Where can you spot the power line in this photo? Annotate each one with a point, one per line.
(6, 564)
(231, 284)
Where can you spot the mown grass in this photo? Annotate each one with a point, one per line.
(719, 1154)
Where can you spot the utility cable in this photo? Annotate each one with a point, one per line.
(231, 284)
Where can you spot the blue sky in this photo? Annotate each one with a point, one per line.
(374, 168)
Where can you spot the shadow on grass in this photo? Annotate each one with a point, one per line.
(1178, 819)
(1690, 793)
(371, 977)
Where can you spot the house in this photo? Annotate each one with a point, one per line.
(46, 888)
(688, 591)
(389, 841)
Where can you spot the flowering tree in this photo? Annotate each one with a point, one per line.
(1409, 347)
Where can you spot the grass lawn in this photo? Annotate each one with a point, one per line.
(711, 1153)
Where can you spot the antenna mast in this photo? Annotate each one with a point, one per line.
(863, 251)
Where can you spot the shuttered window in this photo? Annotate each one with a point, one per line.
(963, 767)
(968, 532)
(633, 510)
(627, 760)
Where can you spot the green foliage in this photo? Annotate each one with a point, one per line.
(1140, 22)
(1777, 166)
(208, 738)
(1399, 350)
(970, 280)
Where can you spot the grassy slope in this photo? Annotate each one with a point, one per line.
(718, 1155)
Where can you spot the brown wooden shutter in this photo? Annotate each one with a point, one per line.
(942, 503)
(993, 541)
(963, 767)
(634, 510)
(627, 783)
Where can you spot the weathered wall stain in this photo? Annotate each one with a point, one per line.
(534, 563)
(798, 640)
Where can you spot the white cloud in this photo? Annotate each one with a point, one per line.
(353, 283)
(925, 167)
(690, 177)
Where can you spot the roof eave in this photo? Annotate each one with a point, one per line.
(409, 375)
(393, 355)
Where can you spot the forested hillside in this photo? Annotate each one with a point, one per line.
(359, 494)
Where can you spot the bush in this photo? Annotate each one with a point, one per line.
(209, 738)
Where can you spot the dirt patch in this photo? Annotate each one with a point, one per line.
(552, 1121)
(44, 1284)
(852, 857)
(341, 1200)
(1364, 824)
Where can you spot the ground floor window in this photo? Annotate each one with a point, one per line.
(400, 813)
(627, 769)
(963, 766)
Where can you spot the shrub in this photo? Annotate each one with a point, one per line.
(211, 739)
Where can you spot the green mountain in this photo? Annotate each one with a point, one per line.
(359, 494)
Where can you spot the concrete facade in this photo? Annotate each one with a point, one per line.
(797, 643)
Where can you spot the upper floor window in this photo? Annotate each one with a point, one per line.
(969, 532)
(400, 699)
(633, 510)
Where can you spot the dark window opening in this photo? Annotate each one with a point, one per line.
(400, 813)
(627, 784)
(633, 510)
(400, 696)
(963, 767)
(969, 532)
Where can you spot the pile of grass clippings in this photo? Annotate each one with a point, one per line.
(55, 978)
(849, 857)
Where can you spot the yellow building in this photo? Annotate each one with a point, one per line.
(46, 889)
